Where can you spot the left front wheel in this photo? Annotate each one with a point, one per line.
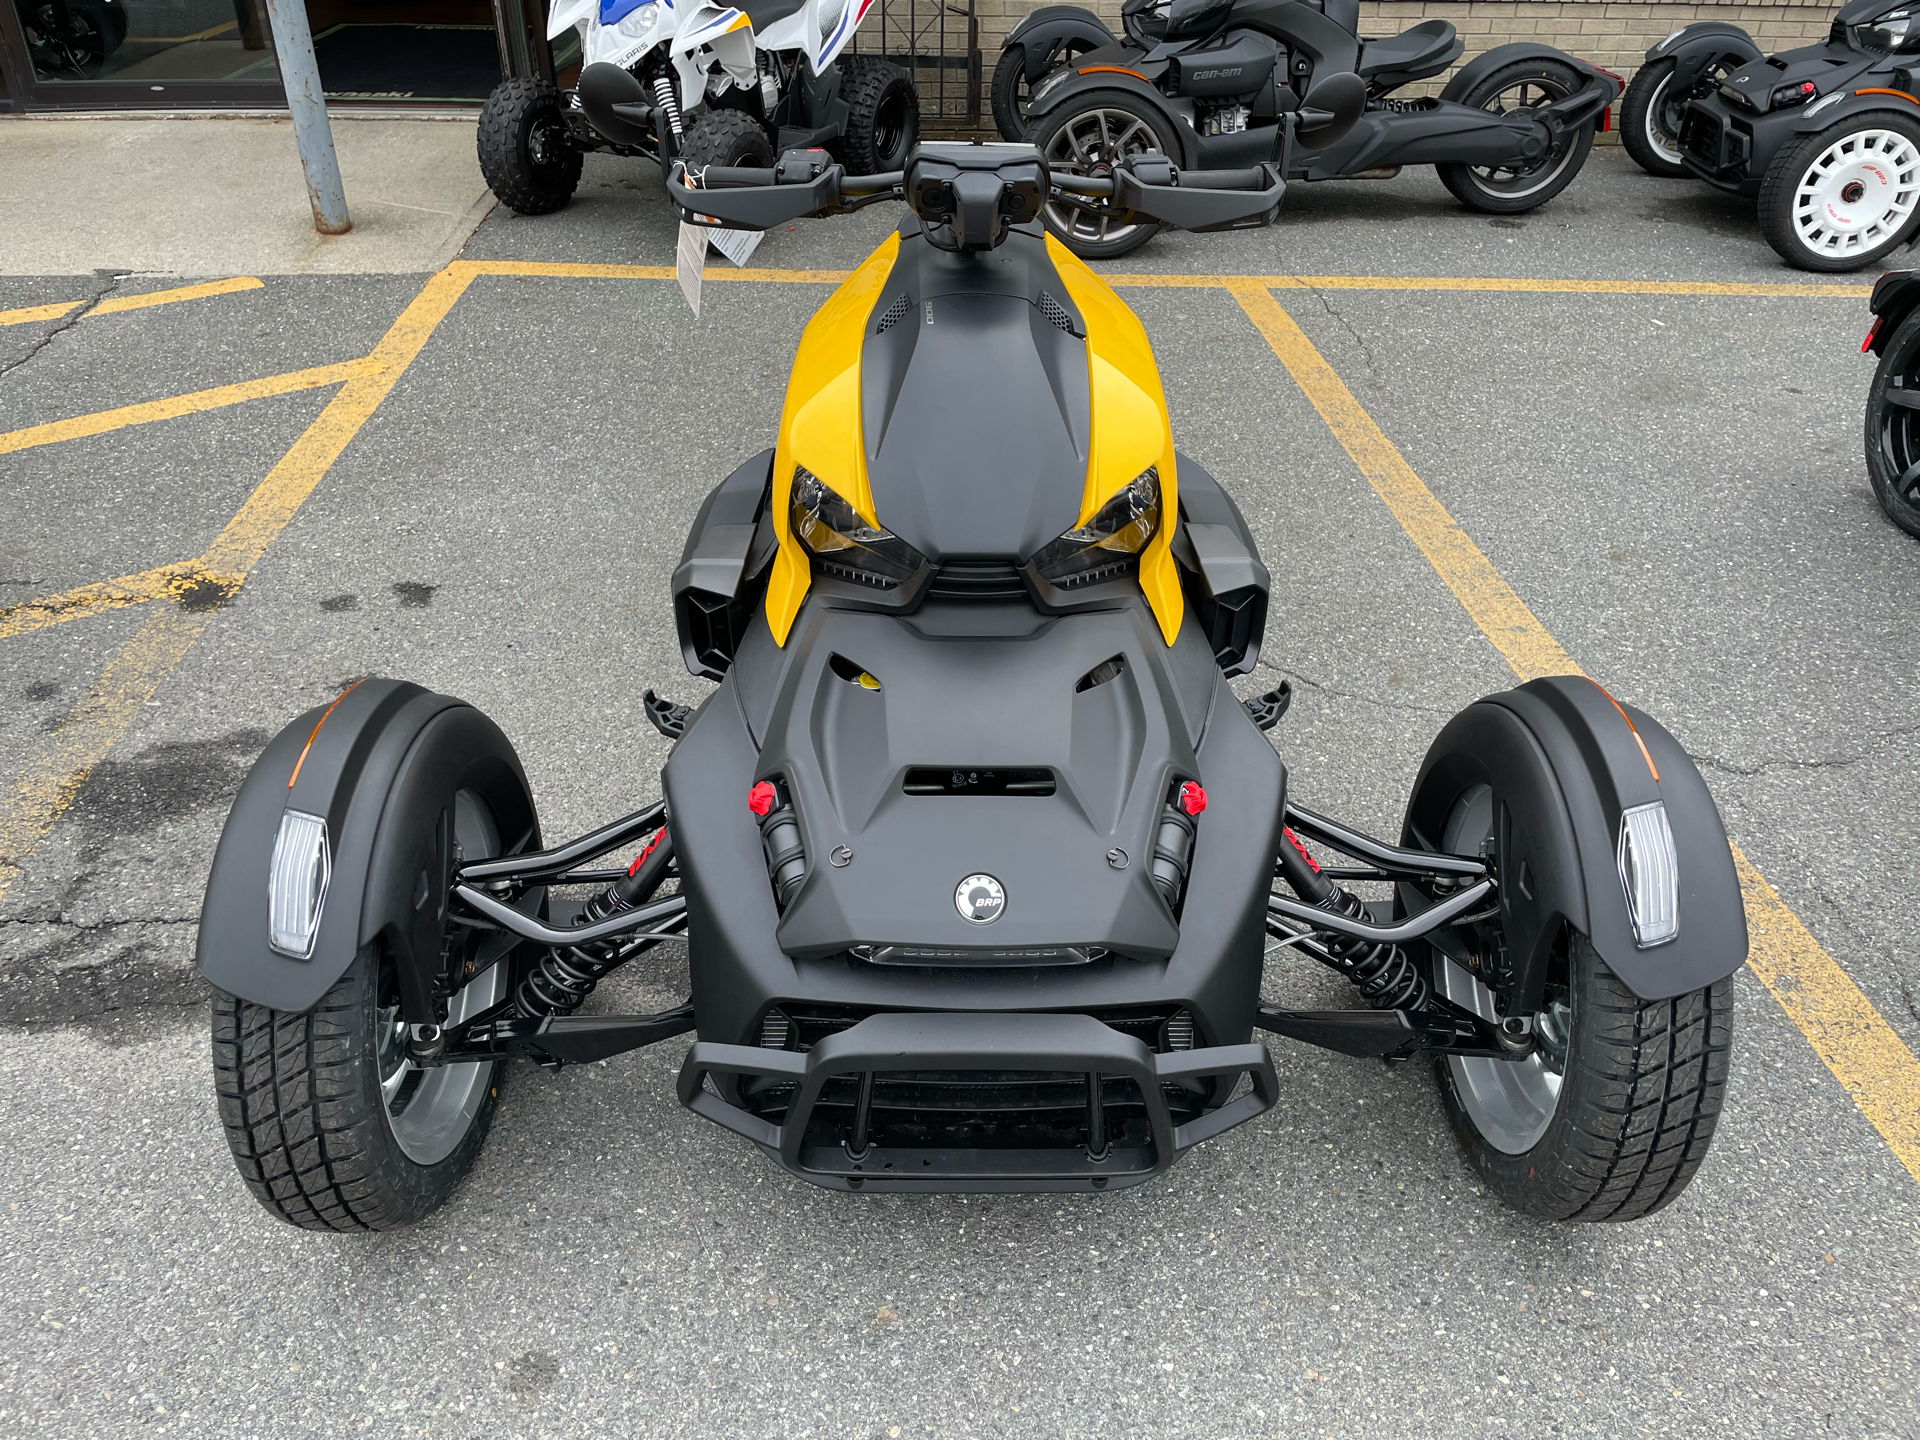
(331, 1125)
(526, 148)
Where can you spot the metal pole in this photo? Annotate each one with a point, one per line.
(307, 102)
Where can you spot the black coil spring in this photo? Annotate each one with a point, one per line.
(563, 979)
(1384, 974)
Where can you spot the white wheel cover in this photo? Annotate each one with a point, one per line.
(1857, 194)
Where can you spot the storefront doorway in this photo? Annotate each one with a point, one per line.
(168, 54)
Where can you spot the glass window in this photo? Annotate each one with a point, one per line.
(154, 40)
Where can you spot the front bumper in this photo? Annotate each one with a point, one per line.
(853, 1106)
(1721, 148)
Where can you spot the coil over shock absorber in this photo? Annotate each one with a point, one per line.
(1385, 974)
(779, 838)
(1173, 841)
(562, 979)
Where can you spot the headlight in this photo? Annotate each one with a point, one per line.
(1109, 543)
(842, 544)
(1897, 32)
(635, 23)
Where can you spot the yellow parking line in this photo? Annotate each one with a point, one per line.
(1849, 1035)
(1783, 289)
(91, 729)
(164, 581)
(174, 406)
(120, 304)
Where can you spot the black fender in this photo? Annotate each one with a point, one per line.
(1564, 759)
(1697, 48)
(1481, 66)
(381, 766)
(1046, 30)
(1894, 296)
(1077, 85)
(1862, 101)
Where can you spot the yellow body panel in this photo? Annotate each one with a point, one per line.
(820, 426)
(1129, 425)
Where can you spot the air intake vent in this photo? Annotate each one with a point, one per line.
(982, 580)
(896, 312)
(1056, 313)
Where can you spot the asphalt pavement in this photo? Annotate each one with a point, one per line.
(1671, 482)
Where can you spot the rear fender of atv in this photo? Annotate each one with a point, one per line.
(1563, 761)
(381, 766)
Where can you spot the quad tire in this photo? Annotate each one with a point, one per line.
(883, 120)
(1648, 122)
(1893, 427)
(726, 137)
(1841, 199)
(1526, 83)
(527, 151)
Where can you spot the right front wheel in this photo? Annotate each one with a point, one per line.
(526, 148)
(1650, 121)
(1845, 197)
(1893, 427)
(1611, 1114)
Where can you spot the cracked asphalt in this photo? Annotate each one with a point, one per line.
(1672, 483)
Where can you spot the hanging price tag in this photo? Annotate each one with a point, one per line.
(690, 260)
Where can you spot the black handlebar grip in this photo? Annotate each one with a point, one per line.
(1254, 179)
(731, 177)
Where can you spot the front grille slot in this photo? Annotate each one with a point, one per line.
(1700, 137)
(946, 780)
(1056, 314)
(896, 312)
(980, 581)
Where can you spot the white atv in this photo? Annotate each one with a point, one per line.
(730, 86)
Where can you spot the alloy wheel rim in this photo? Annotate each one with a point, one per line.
(1857, 194)
(1092, 143)
(430, 1110)
(1518, 182)
(1511, 1102)
(1660, 140)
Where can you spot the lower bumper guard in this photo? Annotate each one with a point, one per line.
(917, 1043)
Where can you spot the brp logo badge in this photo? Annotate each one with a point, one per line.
(980, 899)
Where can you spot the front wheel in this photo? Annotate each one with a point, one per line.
(1514, 189)
(527, 152)
(1650, 121)
(1612, 1113)
(1893, 427)
(1845, 197)
(331, 1125)
(1089, 135)
(726, 137)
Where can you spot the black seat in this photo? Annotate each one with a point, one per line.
(1426, 49)
(767, 12)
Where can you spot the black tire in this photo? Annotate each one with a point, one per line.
(1088, 131)
(1611, 1116)
(883, 120)
(332, 1127)
(1649, 122)
(1811, 184)
(1011, 87)
(1503, 192)
(301, 1101)
(1893, 427)
(528, 156)
(726, 137)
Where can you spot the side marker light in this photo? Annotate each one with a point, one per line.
(297, 884)
(1650, 874)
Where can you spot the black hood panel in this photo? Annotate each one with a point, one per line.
(975, 402)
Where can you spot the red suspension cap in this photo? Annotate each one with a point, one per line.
(1192, 798)
(760, 798)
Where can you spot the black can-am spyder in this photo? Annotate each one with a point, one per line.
(1207, 82)
(1827, 137)
(972, 846)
